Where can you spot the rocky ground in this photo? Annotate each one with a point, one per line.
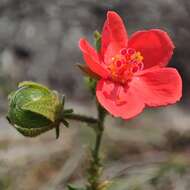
(134, 152)
(39, 41)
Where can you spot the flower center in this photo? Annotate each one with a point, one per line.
(125, 64)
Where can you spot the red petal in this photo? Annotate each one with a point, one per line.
(119, 101)
(114, 35)
(155, 46)
(105, 38)
(117, 29)
(159, 87)
(92, 59)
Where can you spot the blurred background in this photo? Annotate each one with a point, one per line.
(39, 42)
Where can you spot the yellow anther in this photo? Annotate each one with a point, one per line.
(137, 56)
(123, 66)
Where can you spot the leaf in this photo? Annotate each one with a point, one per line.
(97, 39)
(68, 111)
(85, 69)
(46, 106)
(70, 187)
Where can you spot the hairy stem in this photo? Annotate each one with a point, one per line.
(95, 169)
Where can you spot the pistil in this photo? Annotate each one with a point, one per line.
(125, 64)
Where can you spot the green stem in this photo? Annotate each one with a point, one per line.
(99, 134)
(82, 118)
(95, 169)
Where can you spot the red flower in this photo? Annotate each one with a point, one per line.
(133, 71)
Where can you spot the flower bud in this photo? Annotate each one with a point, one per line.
(97, 40)
(34, 109)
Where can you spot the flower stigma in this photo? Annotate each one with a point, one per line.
(125, 64)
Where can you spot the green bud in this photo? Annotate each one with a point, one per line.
(34, 109)
(97, 40)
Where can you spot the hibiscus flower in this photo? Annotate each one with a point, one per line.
(132, 71)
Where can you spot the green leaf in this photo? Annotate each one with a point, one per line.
(68, 111)
(97, 39)
(47, 106)
(70, 187)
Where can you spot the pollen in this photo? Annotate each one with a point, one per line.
(137, 56)
(125, 64)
